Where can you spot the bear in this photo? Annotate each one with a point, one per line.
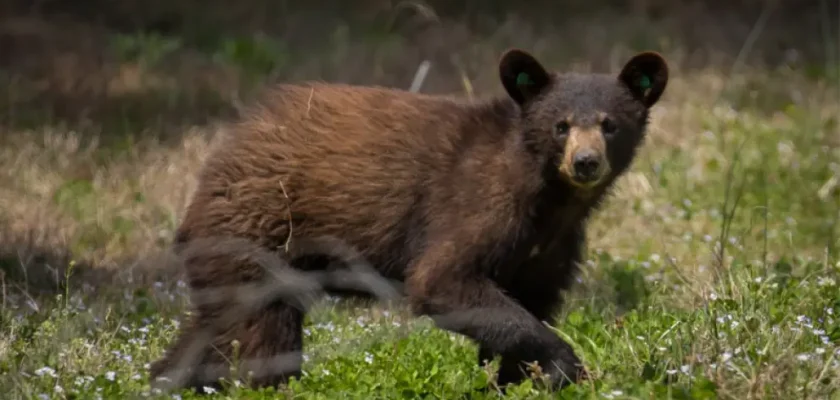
(476, 208)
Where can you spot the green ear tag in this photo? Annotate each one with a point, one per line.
(644, 82)
(523, 79)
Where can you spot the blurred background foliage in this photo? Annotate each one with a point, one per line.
(76, 57)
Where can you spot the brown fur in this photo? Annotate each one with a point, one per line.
(471, 206)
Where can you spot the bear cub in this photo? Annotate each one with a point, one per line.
(478, 209)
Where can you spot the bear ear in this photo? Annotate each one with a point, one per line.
(522, 75)
(646, 75)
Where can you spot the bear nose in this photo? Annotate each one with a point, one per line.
(586, 165)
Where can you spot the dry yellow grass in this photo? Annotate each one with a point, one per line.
(36, 164)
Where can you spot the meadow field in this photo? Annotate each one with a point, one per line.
(712, 271)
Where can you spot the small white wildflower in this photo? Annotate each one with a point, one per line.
(368, 358)
(685, 369)
(671, 371)
(327, 372)
(58, 389)
(758, 279)
(803, 320)
(45, 371)
(819, 350)
(726, 356)
(110, 375)
(655, 257)
(713, 296)
(209, 390)
(654, 277)
(803, 357)
(826, 282)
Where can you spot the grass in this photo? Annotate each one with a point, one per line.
(711, 273)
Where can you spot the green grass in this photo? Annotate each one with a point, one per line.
(769, 334)
(765, 323)
(711, 273)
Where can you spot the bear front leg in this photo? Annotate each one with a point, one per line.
(541, 299)
(510, 370)
(463, 301)
(537, 287)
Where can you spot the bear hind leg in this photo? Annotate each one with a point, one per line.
(270, 346)
(268, 350)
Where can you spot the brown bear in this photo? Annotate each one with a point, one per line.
(478, 209)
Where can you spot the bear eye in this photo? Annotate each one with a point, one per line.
(608, 127)
(562, 128)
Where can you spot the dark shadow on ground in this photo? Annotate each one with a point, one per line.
(39, 273)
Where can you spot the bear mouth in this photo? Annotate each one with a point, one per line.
(588, 183)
